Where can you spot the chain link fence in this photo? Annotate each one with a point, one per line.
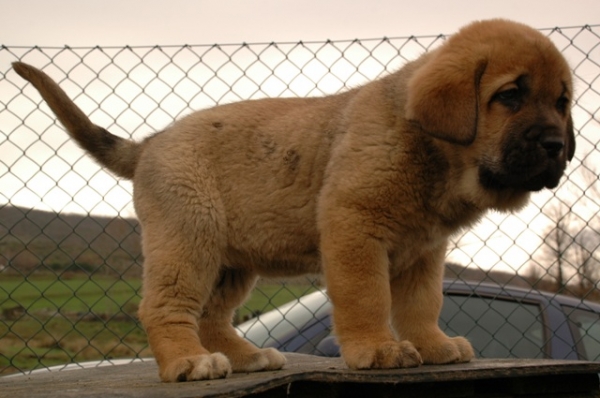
(70, 260)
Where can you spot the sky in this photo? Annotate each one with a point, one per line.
(149, 22)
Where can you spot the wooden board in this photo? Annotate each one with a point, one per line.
(310, 376)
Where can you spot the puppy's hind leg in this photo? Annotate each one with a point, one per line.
(182, 245)
(217, 333)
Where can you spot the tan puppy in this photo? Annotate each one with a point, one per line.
(367, 185)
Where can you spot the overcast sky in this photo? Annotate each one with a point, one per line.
(149, 22)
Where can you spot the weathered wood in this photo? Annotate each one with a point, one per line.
(312, 376)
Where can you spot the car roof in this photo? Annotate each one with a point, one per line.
(286, 318)
(493, 290)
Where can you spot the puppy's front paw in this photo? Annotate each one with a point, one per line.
(197, 367)
(384, 355)
(446, 350)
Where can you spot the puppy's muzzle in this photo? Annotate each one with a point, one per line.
(549, 137)
(552, 144)
(530, 161)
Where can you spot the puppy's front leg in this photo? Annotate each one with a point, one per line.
(416, 304)
(356, 268)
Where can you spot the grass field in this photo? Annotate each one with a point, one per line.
(48, 320)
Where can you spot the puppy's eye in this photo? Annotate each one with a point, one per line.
(510, 98)
(562, 104)
(510, 95)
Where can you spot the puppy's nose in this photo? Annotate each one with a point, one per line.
(552, 144)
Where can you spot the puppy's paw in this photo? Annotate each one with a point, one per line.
(198, 367)
(384, 355)
(263, 359)
(446, 350)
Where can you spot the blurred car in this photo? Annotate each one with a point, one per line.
(500, 322)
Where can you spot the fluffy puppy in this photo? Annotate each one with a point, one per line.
(366, 186)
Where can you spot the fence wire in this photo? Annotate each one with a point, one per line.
(70, 259)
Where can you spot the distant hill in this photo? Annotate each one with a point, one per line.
(30, 239)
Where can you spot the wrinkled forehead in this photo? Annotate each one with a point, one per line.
(535, 64)
(510, 52)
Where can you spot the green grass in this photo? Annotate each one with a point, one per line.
(100, 294)
(78, 317)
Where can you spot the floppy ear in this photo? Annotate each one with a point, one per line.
(570, 139)
(443, 98)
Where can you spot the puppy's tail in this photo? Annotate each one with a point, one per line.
(115, 153)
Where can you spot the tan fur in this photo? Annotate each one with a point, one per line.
(367, 185)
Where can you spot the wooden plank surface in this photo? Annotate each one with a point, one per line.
(301, 372)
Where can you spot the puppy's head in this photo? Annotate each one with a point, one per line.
(502, 92)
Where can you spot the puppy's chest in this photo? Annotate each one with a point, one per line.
(421, 238)
(426, 236)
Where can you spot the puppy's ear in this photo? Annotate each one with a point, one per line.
(570, 139)
(443, 98)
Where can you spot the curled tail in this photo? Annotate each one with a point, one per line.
(115, 153)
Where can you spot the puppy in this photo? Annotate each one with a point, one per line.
(366, 186)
